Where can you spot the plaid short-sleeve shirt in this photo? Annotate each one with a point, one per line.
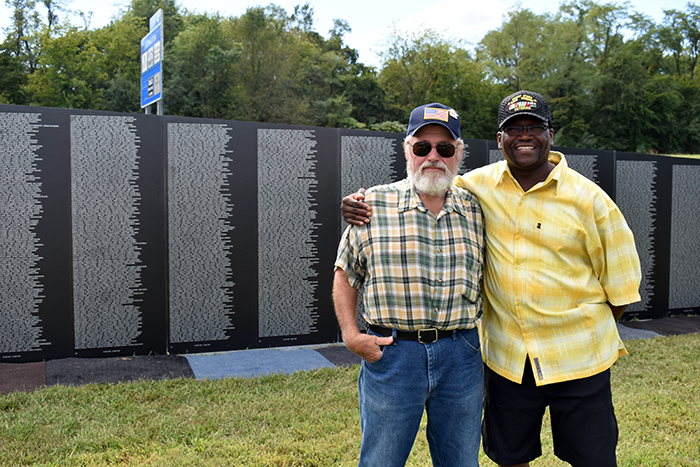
(555, 255)
(417, 270)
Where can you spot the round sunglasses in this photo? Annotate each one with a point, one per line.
(423, 148)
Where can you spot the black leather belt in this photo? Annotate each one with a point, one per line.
(424, 336)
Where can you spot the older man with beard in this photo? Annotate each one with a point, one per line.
(420, 263)
(561, 268)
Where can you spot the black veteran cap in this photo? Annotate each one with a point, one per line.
(524, 103)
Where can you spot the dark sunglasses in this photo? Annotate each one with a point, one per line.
(423, 148)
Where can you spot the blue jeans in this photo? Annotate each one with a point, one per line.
(445, 378)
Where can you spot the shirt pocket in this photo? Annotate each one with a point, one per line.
(558, 246)
(468, 271)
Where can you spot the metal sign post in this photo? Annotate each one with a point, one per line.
(152, 65)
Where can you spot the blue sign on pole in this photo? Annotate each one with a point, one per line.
(152, 62)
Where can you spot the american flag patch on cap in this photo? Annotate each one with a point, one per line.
(432, 113)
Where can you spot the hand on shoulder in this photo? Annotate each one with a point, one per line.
(354, 211)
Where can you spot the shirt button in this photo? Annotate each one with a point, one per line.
(522, 232)
(519, 267)
(440, 281)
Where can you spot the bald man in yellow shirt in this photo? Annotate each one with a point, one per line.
(561, 267)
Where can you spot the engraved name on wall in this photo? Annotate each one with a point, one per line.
(366, 161)
(105, 206)
(287, 250)
(495, 155)
(585, 164)
(20, 278)
(199, 211)
(636, 197)
(685, 238)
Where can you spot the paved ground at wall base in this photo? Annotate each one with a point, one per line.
(243, 363)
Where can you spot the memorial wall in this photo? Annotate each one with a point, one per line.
(129, 234)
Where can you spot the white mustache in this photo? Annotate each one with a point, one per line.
(438, 164)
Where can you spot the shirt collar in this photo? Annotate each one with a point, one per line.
(558, 173)
(410, 200)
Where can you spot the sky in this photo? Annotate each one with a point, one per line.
(371, 21)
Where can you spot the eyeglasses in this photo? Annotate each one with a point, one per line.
(423, 148)
(535, 130)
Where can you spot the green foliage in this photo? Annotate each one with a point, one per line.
(202, 59)
(172, 18)
(120, 54)
(414, 65)
(366, 96)
(422, 67)
(635, 110)
(606, 90)
(614, 78)
(20, 38)
(266, 89)
(67, 75)
(12, 78)
(515, 53)
(389, 127)
(475, 98)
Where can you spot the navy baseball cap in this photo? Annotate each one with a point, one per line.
(434, 114)
(524, 103)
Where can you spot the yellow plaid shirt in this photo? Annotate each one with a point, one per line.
(418, 270)
(554, 256)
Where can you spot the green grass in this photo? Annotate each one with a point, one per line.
(310, 418)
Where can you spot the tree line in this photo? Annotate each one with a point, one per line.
(614, 78)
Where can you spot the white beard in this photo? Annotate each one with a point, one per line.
(431, 183)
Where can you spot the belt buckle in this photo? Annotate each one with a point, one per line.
(427, 341)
